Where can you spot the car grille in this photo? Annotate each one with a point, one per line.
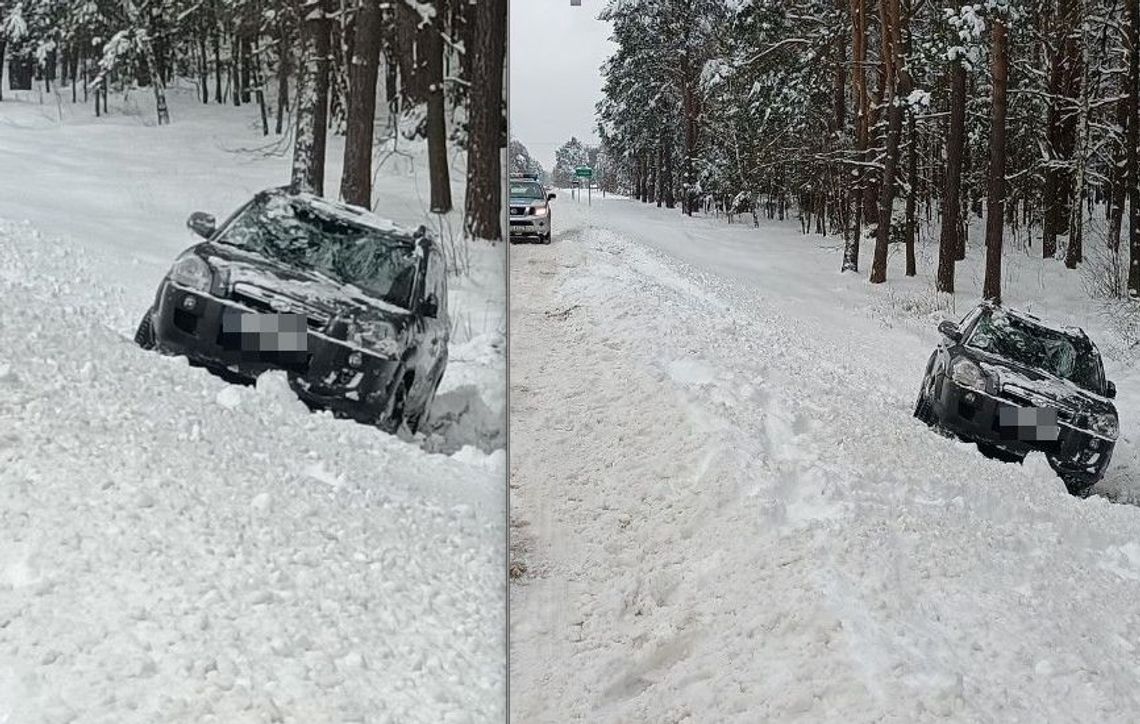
(521, 211)
(1024, 398)
(259, 300)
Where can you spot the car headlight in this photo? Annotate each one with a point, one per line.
(191, 271)
(1105, 424)
(967, 374)
(540, 211)
(378, 337)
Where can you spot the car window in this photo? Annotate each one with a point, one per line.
(1019, 340)
(287, 230)
(527, 190)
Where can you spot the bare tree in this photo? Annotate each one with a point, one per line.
(312, 100)
(995, 201)
(432, 48)
(487, 132)
(356, 181)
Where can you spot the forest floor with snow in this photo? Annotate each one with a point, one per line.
(175, 548)
(722, 508)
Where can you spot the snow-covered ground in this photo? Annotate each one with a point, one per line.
(723, 510)
(174, 548)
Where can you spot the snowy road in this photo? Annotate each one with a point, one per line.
(726, 512)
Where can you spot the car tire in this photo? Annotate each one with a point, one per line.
(144, 335)
(545, 238)
(924, 408)
(422, 415)
(1078, 485)
(393, 415)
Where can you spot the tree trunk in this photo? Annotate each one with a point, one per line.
(1074, 252)
(284, 67)
(155, 78)
(667, 177)
(487, 128)
(859, 87)
(1133, 144)
(308, 173)
(216, 41)
(897, 81)
(356, 182)
(3, 47)
(995, 201)
(436, 123)
(912, 191)
(952, 191)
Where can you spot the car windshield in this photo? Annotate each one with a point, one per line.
(293, 232)
(527, 190)
(1019, 340)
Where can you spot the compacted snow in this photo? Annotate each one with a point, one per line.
(722, 509)
(174, 548)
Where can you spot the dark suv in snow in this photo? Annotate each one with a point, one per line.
(353, 308)
(1013, 384)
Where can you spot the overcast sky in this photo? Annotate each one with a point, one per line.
(556, 51)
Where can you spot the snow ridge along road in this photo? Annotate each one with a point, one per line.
(726, 512)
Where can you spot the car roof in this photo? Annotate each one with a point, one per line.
(1034, 319)
(355, 214)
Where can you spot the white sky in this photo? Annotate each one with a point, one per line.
(555, 51)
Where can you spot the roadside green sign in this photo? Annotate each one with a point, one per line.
(584, 172)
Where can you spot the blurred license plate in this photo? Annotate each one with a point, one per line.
(1029, 424)
(265, 332)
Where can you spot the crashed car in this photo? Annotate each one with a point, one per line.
(1014, 384)
(353, 308)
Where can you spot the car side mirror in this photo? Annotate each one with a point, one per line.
(429, 307)
(551, 197)
(202, 224)
(1110, 389)
(950, 331)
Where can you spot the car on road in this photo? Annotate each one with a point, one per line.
(530, 208)
(1014, 384)
(352, 307)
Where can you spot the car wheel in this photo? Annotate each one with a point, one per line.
(545, 238)
(393, 417)
(1079, 485)
(422, 415)
(924, 409)
(144, 335)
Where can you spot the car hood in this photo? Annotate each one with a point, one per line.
(298, 289)
(1038, 386)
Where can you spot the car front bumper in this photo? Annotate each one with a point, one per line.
(976, 415)
(530, 225)
(321, 374)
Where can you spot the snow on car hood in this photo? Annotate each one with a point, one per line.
(1041, 386)
(305, 285)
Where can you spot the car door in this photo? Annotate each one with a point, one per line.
(433, 332)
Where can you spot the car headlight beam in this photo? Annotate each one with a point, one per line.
(193, 272)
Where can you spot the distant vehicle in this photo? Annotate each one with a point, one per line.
(530, 208)
(353, 308)
(1014, 384)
